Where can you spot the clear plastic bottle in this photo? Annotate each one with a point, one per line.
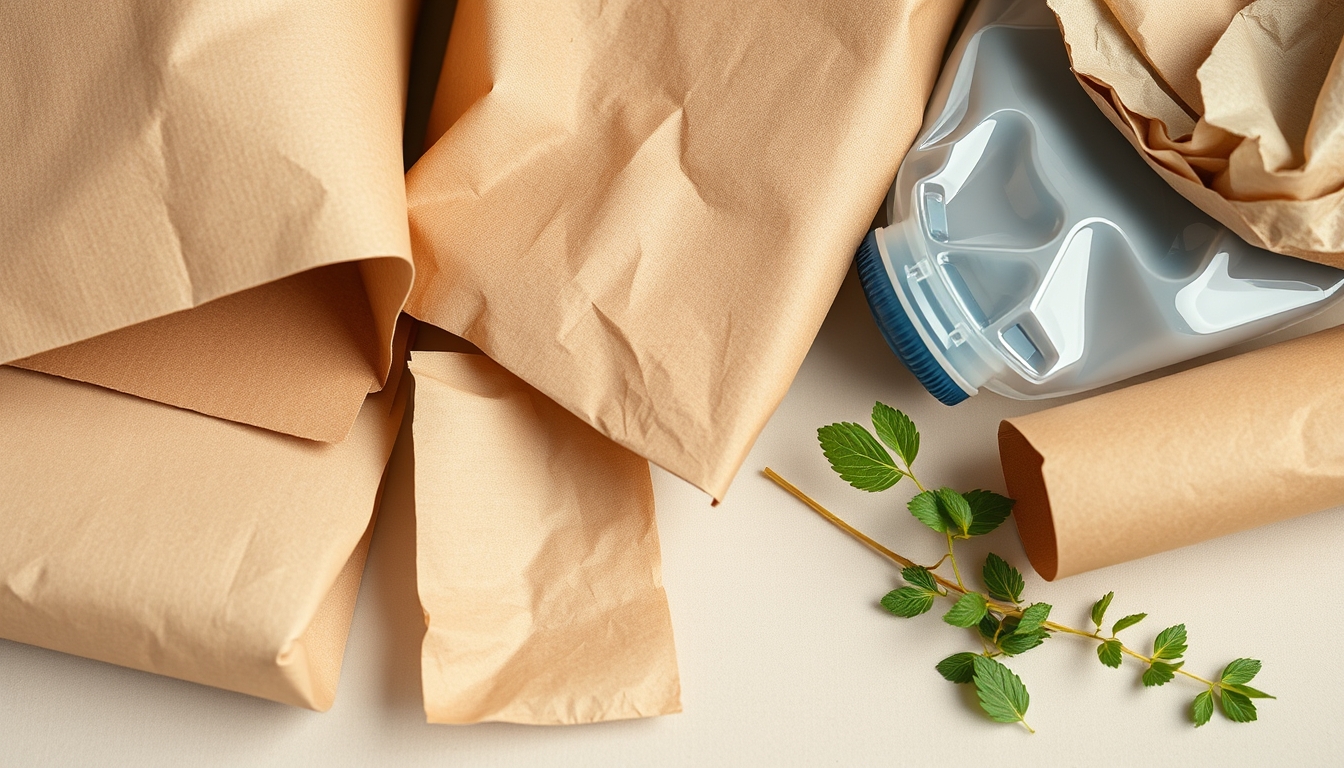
(1032, 252)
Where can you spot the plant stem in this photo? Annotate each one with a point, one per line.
(957, 587)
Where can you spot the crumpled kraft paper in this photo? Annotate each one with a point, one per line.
(1202, 453)
(537, 557)
(203, 203)
(164, 540)
(1239, 106)
(644, 210)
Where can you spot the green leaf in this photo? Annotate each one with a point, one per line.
(1033, 617)
(1247, 691)
(1021, 642)
(989, 510)
(957, 668)
(919, 576)
(1127, 622)
(968, 610)
(857, 457)
(1003, 581)
(924, 506)
(1001, 693)
(1109, 653)
(1170, 643)
(1160, 673)
(897, 431)
(1237, 707)
(989, 626)
(1099, 609)
(1240, 671)
(908, 601)
(956, 509)
(1202, 709)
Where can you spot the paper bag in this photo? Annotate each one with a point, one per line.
(537, 558)
(1199, 454)
(203, 203)
(644, 210)
(160, 539)
(1239, 106)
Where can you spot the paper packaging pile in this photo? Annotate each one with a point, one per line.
(640, 213)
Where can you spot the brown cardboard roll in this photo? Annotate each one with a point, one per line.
(1203, 453)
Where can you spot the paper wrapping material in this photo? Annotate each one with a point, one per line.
(163, 540)
(1202, 453)
(644, 210)
(1239, 106)
(166, 162)
(537, 558)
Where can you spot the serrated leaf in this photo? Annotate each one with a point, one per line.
(1099, 609)
(956, 509)
(1202, 709)
(1127, 622)
(1160, 673)
(1109, 653)
(924, 506)
(1001, 693)
(1003, 581)
(908, 601)
(957, 668)
(1033, 617)
(1240, 671)
(1237, 707)
(857, 457)
(967, 611)
(1247, 691)
(989, 510)
(897, 431)
(919, 576)
(1020, 642)
(1170, 643)
(988, 626)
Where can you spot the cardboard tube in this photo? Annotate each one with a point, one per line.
(1203, 453)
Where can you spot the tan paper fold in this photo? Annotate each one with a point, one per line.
(160, 539)
(537, 558)
(1239, 106)
(1202, 453)
(644, 210)
(162, 157)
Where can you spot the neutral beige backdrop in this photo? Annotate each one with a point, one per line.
(785, 658)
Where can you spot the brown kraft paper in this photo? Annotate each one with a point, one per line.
(644, 210)
(168, 541)
(1202, 453)
(537, 558)
(1238, 105)
(203, 203)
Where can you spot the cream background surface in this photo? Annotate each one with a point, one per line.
(785, 657)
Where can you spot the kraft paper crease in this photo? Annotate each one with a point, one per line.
(1202, 453)
(644, 210)
(1238, 105)
(203, 203)
(537, 558)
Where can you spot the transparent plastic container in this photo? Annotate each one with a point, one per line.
(1033, 253)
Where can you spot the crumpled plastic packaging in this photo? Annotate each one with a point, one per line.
(1238, 105)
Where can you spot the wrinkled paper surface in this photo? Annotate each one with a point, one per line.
(644, 210)
(1227, 446)
(166, 162)
(537, 558)
(1239, 106)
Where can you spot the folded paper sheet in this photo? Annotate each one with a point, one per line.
(644, 210)
(1239, 106)
(1202, 453)
(160, 539)
(203, 203)
(537, 557)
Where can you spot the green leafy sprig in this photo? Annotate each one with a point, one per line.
(1003, 623)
